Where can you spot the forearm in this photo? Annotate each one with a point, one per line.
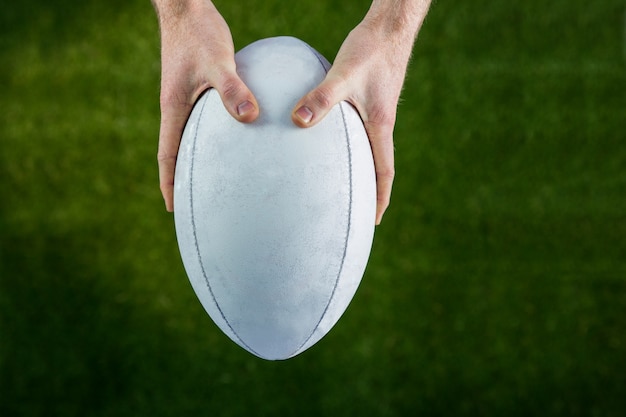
(400, 19)
(169, 7)
(170, 10)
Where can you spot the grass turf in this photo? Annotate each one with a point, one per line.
(497, 282)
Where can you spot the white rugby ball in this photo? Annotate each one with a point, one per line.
(275, 222)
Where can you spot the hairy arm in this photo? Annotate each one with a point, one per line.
(369, 72)
(197, 53)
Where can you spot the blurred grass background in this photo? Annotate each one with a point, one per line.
(497, 282)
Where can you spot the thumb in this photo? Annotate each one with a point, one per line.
(237, 98)
(317, 103)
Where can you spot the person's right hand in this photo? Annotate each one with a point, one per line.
(368, 73)
(197, 53)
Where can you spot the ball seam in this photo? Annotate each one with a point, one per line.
(195, 235)
(347, 234)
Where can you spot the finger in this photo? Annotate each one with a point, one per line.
(381, 140)
(174, 113)
(317, 103)
(237, 97)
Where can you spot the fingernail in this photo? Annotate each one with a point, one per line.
(245, 108)
(305, 114)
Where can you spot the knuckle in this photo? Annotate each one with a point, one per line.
(165, 187)
(383, 200)
(322, 97)
(165, 157)
(226, 81)
(386, 174)
(381, 118)
(170, 95)
(231, 88)
(172, 100)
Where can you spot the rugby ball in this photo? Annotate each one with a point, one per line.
(275, 222)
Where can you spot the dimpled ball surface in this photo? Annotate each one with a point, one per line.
(274, 222)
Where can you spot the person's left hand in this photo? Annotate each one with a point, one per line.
(197, 54)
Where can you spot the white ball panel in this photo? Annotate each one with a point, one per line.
(274, 227)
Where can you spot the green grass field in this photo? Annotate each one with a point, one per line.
(497, 281)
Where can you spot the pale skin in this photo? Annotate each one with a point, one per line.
(197, 53)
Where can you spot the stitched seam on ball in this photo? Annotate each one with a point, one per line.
(195, 236)
(345, 243)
